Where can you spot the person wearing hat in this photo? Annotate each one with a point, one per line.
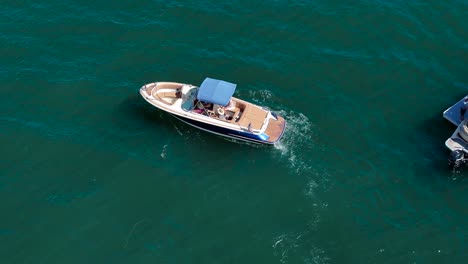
(220, 112)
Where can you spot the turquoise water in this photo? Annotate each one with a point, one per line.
(91, 173)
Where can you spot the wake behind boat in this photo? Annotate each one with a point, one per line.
(212, 108)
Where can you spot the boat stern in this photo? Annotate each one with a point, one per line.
(275, 128)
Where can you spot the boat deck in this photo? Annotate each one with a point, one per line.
(253, 116)
(275, 129)
(452, 114)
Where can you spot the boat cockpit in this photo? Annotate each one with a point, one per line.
(229, 113)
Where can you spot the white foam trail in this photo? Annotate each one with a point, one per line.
(298, 138)
(261, 96)
(164, 151)
(311, 186)
(285, 246)
(317, 256)
(299, 142)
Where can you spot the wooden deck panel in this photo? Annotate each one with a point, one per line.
(275, 129)
(254, 116)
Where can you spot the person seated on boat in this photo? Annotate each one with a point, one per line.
(230, 105)
(198, 111)
(220, 112)
(196, 107)
(463, 108)
(232, 110)
(218, 109)
(208, 106)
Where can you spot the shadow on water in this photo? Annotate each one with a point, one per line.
(136, 110)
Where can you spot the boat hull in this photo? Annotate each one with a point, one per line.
(226, 132)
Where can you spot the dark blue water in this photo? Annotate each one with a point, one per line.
(91, 173)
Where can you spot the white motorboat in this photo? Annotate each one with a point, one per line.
(211, 107)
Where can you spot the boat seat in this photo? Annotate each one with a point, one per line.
(172, 94)
(235, 114)
(166, 97)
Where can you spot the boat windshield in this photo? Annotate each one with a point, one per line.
(187, 105)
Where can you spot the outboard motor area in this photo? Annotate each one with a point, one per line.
(457, 158)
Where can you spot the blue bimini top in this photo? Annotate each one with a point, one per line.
(216, 91)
